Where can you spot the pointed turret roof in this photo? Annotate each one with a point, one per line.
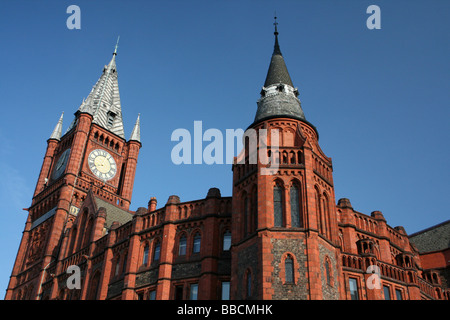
(278, 95)
(103, 102)
(56, 134)
(136, 133)
(278, 72)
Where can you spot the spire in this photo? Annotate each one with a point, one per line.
(103, 102)
(136, 133)
(278, 72)
(279, 98)
(56, 134)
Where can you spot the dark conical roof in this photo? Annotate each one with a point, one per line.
(278, 72)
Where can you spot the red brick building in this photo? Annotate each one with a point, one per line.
(280, 236)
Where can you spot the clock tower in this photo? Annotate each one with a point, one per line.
(91, 156)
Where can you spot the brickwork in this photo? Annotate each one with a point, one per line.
(279, 236)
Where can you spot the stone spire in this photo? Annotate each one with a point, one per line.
(56, 134)
(136, 133)
(278, 72)
(278, 95)
(103, 102)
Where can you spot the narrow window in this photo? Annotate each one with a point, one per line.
(278, 205)
(110, 120)
(353, 284)
(255, 210)
(124, 263)
(157, 252)
(289, 269)
(152, 295)
(182, 246)
(197, 243)
(387, 294)
(227, 240)
(225, 290)
(327, 271)
(398, 294)
(193, 295)
(295, 207)
(179, 293)
(245, 216)
(249, 284)
(116, 271)
(145, 258)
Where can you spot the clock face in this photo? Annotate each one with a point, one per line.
(102, 164)
(60, 165)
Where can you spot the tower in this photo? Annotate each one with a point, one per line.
(91, 156)
(284, 219)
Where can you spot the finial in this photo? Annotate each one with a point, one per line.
(275, 24)
(117, 45)
(277, 46)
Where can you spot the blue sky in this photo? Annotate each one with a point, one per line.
(379, 98)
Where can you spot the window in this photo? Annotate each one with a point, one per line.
(225, 290)
(197, 242)
(157, 252)
(295, 207)
(116, 271)
(140, 296)
(227, 240)
(193, 294)
(387, 294)
(353, 284)
(124, 263)
(278, 205)
(110, 120)
(327, 271)
(179, 293)
(398, 294)
(152, 295)
(245, 216)
(145, 258)
(289, 269)
(182, 246)
(249, 284)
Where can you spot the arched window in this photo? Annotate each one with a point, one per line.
(295, 207)
(289, 269)
(182, 246)
(318, 212)
(278, 205)
(227, 240)
(87, 233)
(254, 211)
(249, 283)
(326, 216)
(245, 215)
(328, 272)
(145, 256)
(197, 243)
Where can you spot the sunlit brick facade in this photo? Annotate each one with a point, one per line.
(279, 236)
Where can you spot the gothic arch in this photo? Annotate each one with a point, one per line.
(289, 267)
(279, 207)
(328, 271)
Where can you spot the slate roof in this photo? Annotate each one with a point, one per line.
(278, 72)
(113, 213)
(435, 238)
